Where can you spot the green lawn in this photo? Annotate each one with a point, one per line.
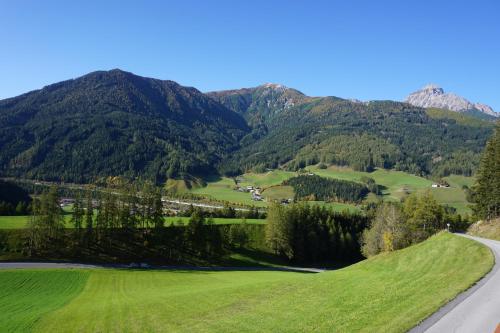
(20, 222)
(26, 296)
(217, 220)
(387, 293)
(279, 192)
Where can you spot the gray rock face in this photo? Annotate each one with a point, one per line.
(486, 109)
(433, 96)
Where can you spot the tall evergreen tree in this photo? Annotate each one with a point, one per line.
(487, 188)
(47, 220)
(89, 213)
(157, 210)
(78, 213)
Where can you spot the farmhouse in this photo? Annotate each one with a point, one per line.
(440, 185)
(256, 196)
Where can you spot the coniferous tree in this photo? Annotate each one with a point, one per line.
(78, 213)
(89, 214)
(47, 221)
(157, 210)
(486, 192)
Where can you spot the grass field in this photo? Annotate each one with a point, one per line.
(267, 179)
(222, 189)
(217, 220)
(395, 182)
(279, 192)
(387, 293)
(26, 296)
(21, 222)
(396, 185)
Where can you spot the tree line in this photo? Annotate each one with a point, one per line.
(398, 225)
(314, 187)
(126, 221)
(304, 233)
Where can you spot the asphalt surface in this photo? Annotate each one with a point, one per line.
(477, 310)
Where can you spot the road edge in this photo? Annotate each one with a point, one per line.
(445, 309)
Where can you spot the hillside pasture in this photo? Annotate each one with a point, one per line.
(391, 292)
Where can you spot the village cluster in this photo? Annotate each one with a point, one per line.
(254, 191)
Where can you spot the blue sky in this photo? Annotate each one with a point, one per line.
(352, 49)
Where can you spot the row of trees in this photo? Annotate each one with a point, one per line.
(126, 220)
(227, 212)
(398, 225)
(319, 188)
(303, 233)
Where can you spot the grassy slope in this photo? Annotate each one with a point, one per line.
(20, 222)
(25, 296)
(223, 190)
(396, 184)
(394, 181)
(279, 192)
(388, 293)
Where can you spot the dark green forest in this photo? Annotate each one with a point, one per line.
(115, 123)
(14, 200)
(364, 135)
(314, 187)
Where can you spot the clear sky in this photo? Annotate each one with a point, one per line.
(352, 49)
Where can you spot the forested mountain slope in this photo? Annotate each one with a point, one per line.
(363, 135)
(115, 123)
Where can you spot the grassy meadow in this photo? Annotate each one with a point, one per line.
(391, 292)
(396, 184)
(27, 296)
(21, 222)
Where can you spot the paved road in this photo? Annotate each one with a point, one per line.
(476, 310)
(41, 265)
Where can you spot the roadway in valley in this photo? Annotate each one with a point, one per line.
(477, 310)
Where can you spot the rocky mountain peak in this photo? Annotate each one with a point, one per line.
(433, 89)
(433, 96)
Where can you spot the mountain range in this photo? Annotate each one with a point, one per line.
(111, 123)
